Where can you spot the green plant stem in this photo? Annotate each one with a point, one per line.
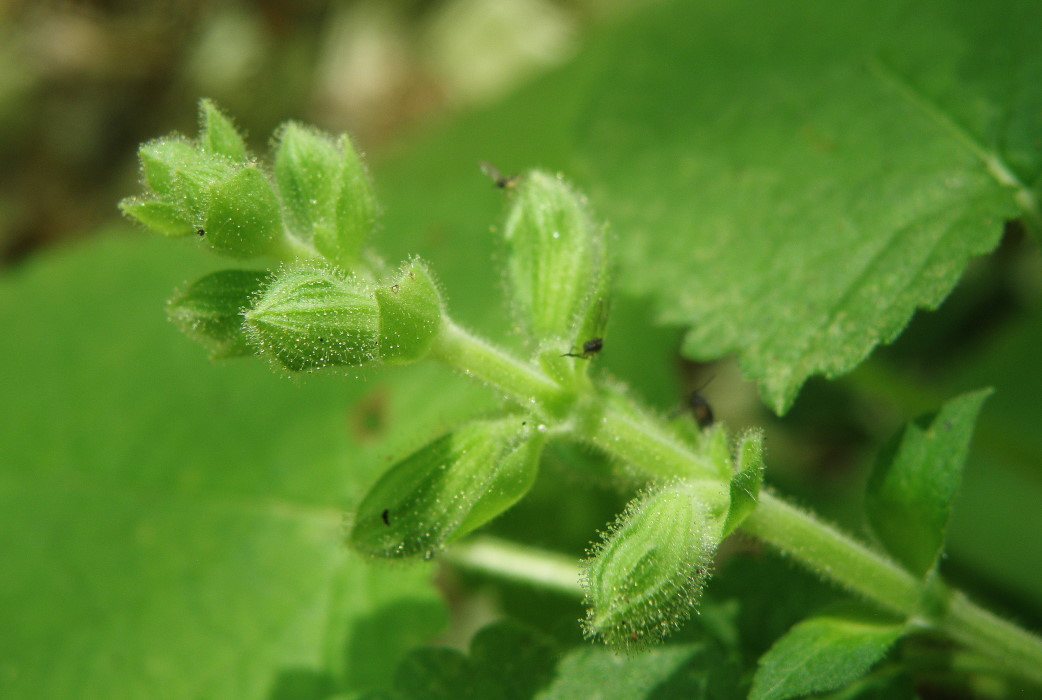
(1015, 649)
(474, 357)
(616, 425)
(833, 554)
(518, 563)
(638, 438)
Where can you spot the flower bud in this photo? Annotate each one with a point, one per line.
(448, 488)
(309, 318)
(410, 314)
(210, 310)
(556, 265)
(646, 577)
(218, 134)
(182, 174)
(244, 218)
(326, 191)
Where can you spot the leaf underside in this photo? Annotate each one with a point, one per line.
(799, 178)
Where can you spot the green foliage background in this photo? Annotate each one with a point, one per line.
(787, 183)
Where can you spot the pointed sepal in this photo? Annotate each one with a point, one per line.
(217, 132)
(162, 217)
(326, 191)
(244, 219)
(747, 480)
(210, 310)
(410, 314)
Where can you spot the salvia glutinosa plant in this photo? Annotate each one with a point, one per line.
(327, 300)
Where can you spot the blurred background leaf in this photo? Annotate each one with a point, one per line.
(173, 523)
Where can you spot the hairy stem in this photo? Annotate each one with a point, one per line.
(833, 554)
(474, 357)
(518, 563)
(623, 430)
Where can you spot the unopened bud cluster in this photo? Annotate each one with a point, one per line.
(326, 304)
(315, 210)
(309, 316)
(319, 202)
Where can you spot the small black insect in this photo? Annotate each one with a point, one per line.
(385, 516)
(590, 347)
(201, 232)
(503, 182)
(701, 409)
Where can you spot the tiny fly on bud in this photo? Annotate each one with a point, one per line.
(503, 182)
(590, 347)
(385, 516)
(699, 407)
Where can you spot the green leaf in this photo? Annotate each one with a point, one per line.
(750, 200)
(218, 134)
(309, 318)
(674, 671)
(882, 684)
(768, 595)
(519, 659)
(448, 488)
(823, 653)
(210, 310)
(507, 660)
(910, 492)
(746, 483)
(825, 173)
(243, 218)
(172, 524)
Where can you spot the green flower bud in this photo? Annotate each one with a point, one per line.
(162, 217)
(244, 218)
(183, 175)
(410, 314)
(218, 134)
(556, 265)
(646, 577)
(448, 488)
(210, 310)
(309, 318)
(326, 191)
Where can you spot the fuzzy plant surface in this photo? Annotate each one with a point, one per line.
(323, 300)
(787, 183)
